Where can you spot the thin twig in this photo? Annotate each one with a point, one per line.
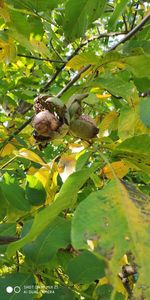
(48, 84)
(132, 32)
(135, 14)
(56, 52)
(40, 58)
(125, 23)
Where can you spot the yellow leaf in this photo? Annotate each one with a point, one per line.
(94, 89)
(105, 96)
(52, 187)
(124, 260)
(43, 174)
(120, 168)
(30, 155)
(32, 171)
(7, 150)
(103, 280)
(7, 51)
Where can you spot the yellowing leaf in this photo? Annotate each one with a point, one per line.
(126, 123)
(52, 186)
(103, 281)
(40, 47)
(43, 174)
(32, 171)
(66, 165)
(105, 96)
(4, 13)
(7, 150)
(95, 89)
(107, 121)
(7, 51)
(120, 168)
(1, 3)
(30, 155)
(82, 59)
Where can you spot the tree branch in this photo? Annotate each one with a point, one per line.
(58, 71)
(72, 81)
(40, 58)
(132, 32)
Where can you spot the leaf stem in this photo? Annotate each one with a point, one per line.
(8, 162)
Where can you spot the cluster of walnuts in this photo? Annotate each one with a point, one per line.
(53, 119)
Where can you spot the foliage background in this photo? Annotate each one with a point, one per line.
(74, 211)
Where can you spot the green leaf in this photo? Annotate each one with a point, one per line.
(35, 192)
(145, 111)
(20, 23)
(61, 293)
(142, 84)
(82, 160)
(126, 123)
(139, 65)
(15, 195)
(136, 150)
(120, 211)
(37, 5)
(117, 86)
(79, 16)
(66, 198)
(103, 292)
(55, 236)
(36, 26)
(16, 281)
(133, 45)
(120, 7)
(85, 268)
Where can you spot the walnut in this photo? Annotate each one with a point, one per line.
(45, 122)
(84, 127)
